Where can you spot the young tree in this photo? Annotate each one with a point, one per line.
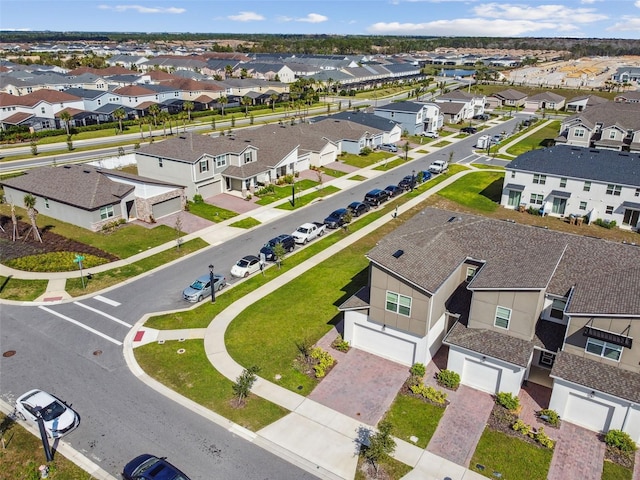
(154, 110)
(222, 101)
(34, 146)
(381, 444)
(242, 386)
(14, 222)
(246, 101)
(66, 118)
(119, 114)
(279, 253)
(273, 98)
(188, 106)
(30, 204)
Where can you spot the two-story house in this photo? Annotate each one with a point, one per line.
(562, 181)
(471, 104)
(610, 125)
(512, 303)
(413, 117)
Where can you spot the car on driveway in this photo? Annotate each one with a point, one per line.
(201, 287)
(394, 190)
(481, 116)
(337, 218)
(376, 197)
(469, 130)
(150, 467)
(389, 147)
(246, 266)
(59, 419)
(358, 208)
(429, 134)
(287, 242)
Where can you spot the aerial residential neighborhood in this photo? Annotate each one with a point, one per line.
(221, 259)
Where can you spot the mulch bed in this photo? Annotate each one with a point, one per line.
(405, 390)
(616, 456)
(51, 242)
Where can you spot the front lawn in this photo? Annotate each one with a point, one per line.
(497, 453)
(21, 290)
(210, 212)
(477, 190)
(389, 165)
(539, 139)
(274, 193)
(332, 172)
(412, 417)
(309, 197)
(191, 374)
(248, 222)
(613, 471)
(363, 161)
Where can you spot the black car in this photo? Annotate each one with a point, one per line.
(393, 190)
(150, 467)
(481, 116)
(376, 197)
(337, 218)
(407, 182)
(358, 208)
(287, 241)
(469, 130)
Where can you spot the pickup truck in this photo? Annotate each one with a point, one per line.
(439, 166)
(308, 231)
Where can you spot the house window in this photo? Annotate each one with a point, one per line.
(612, 134)
(513, 174)
(539, 179)
(583, 206)
(603, 349)
(614, 190)
(637, 194)
(609, 210)
(106, 212)
(578, 132)
(42, 110)
(471, 272)
(563, 182)
(46, 203)
(248, 157)
(221, 161)
(204, 166)
(397, 303)
(557, 308)
(586, 187)
(536, 199)
(160, 162)
(503, 315)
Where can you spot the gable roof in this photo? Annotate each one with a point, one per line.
(411, 107)
(624, 115)
(367, 119)
(510, 94)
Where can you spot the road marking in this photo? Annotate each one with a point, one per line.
(108, 301)
(81, 325)
(473, 157)
(106, 315)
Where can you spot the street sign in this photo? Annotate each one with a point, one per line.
(78, 259)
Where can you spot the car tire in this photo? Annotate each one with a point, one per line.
(199, 298)
(246, 274)
(321, 233)
(221, 286)
(290, 249)
(306, 240)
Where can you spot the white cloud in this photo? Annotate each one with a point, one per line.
(141, 9)
(637, 4)
(246, 17)
(628, 24)
(313, 18)
(552, 13)
(468, 27)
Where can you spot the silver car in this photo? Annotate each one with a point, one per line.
(201, 287)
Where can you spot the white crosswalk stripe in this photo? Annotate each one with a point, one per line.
(106, 315)
(108, 301)
(81, 325)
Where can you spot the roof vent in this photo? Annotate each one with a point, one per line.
(182, 137)
(66, 166)
(398, 253)
(453, 219)
(87, 171)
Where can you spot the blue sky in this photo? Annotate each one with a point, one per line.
(524, 18)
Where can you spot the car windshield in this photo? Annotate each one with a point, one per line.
(146, 465)
(243, 263)
(51, 411)
(197, 285)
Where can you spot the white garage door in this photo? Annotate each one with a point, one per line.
(209, 190)
(480, 376)
(167, 207)
(633, 424)
(588, 413)
(384, 345)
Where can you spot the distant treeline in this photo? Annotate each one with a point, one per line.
(344, 44)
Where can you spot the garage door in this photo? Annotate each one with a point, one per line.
(384, 345)
(209, 190)
(633, 424)
(588, 413)
(481, 376)
(167, 207)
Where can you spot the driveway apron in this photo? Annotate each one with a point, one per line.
(462, 425)
(578, 455)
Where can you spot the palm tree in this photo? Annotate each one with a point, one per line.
(273, 98)
(188, 106)
(246, 101)
(228, 71)
(164, 116)
(30, 205)
(66, 118)
(154, 110)
(141, 122)
(119, 114)
(223, 101)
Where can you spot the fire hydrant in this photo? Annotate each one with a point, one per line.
(44, 471)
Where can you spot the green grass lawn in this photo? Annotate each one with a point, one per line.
(478, 190)
(389, 165)
(192, 375)
(411, 416)
(248, 222)
(21, 290)
(362, 161)
(613, 471)
(442, 143)
(357, 178)
(210, 212)
(539, 139)
(332, 172)
(284, 191)
(309, 197)
(393, 469)
(497, 451)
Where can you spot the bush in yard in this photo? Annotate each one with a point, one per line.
(508, 401)
(340, 344)
(620, 440)
(448, 379)
(521, 427)
(418, 370)
(550, 416)
(380, 445)
(242, 386)
(542, 438)
(324, 361)
(434, 396)
(365, 151)
(197, 198)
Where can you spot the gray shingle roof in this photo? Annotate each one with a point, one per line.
(597, 376)
(624, 115)
(607, 166)
(358, 301)
(411, 107)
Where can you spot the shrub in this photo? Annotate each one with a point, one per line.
(324, 361)
(435, 396)
(508, 401)
(608, 224)
(542, 438)
(521, 427)
(418, 370)
(340, 344)
(533, 211)
(197, 198)
(620, 440)
(288, 178)
(550, 416)
(365, 151)
(448, 379)
(271, 188)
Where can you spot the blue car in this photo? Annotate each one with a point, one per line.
(150, 467)
(426, 175)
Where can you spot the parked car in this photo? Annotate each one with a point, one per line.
(439, 166)
(388, 147)
(150, 467)
(430, 134)
(59, 419)
(496, 139)
(287, 242)
(481, 116)
(337, 218)
(308, 231)
(469, 130)
(407, 182)
(201, 287)
(423, 176)
(358, 208)
(246, 266)
(376, 197)
(394, 190)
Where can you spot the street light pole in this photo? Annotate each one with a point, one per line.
(213, 286)
(413, 179)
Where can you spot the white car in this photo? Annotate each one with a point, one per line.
(430, 134)
(59, 419)
(246, 266)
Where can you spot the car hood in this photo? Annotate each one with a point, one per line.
(64, 421)
(190, 292)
